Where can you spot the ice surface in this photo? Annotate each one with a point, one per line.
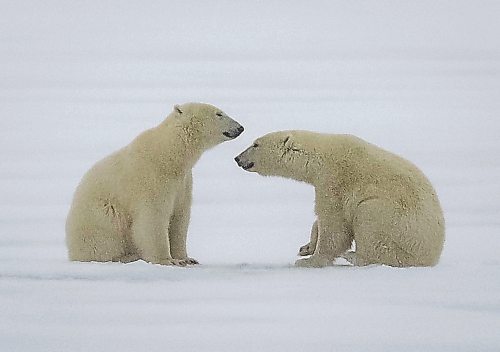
(79, 80)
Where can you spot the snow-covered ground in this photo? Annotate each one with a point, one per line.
(80, 79)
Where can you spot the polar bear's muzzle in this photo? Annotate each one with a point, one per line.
(247, 166)
(243, 162)
(234, 133)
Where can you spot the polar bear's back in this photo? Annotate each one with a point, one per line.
(384, 169)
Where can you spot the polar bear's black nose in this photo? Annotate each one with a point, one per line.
(237, 159)
(234, 133)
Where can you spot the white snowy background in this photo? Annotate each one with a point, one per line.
(80, 79)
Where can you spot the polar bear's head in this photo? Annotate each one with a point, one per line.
(207, 123)
(290, 154)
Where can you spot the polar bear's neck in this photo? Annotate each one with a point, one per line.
(170, 147)
(304, 168)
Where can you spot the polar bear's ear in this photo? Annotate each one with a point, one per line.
(178, 109)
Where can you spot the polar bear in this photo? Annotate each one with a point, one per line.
(135, 203)
(363, 193)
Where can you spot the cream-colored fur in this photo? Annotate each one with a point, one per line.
(364, 194)
(135, 203)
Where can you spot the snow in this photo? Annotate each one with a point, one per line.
(79, 80)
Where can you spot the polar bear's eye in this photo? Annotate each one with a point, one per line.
(218, 114)
(255, 145)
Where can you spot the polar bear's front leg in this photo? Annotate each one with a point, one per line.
(333, 240)
(150, 236)
(309, 248)
(322, 255)
(179, 223)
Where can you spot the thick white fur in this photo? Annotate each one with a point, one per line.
(135, 203)
(364, 194)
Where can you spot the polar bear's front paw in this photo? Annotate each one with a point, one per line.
(191, 261)
(173, 262)
(306, 250)
(313, 262)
